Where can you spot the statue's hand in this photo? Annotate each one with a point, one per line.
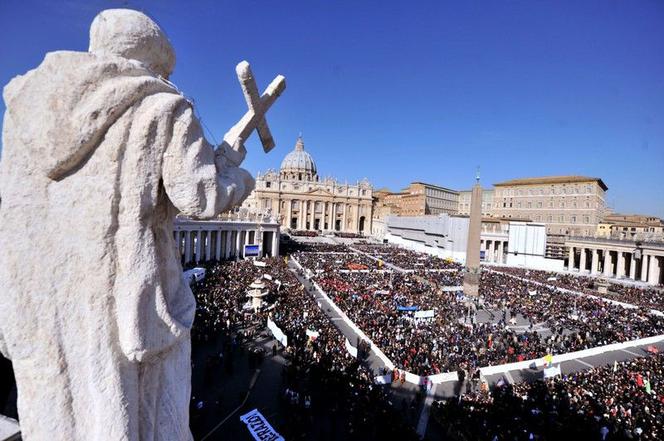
(227, 156)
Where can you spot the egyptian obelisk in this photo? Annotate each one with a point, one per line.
(471, 278)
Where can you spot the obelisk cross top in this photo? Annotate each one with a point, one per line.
(258, 106)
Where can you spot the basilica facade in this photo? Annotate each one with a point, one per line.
(300, 200)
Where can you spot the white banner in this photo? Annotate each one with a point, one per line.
(278, 334)
(194, 275)
(552, 371)
(259, 428)
(312, 334)
(351, 349)
(259, 263)
(424, 314)
(267, 276)
(383, 379)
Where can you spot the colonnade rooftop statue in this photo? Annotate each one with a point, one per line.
(100, 153)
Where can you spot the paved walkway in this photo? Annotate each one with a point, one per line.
(375, 363)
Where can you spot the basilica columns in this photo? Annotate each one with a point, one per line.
(343, 223)
(302, 214)
(312, 215)
(356, 218)
(334, 216)
(289, 211)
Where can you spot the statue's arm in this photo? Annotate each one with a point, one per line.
(196, 180)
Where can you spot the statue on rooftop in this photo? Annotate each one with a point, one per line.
(100, 153)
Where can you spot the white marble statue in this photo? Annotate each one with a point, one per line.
(100, 152)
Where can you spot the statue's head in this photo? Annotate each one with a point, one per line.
(132, 34)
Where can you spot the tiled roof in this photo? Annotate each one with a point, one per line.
(552, 180)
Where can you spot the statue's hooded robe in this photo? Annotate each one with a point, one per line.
(99, 155)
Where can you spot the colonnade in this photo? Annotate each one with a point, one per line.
(197, 241)
(620, 262)
(494, 250)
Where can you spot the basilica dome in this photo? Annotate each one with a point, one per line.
(298, 164)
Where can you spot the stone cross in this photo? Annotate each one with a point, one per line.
(258, 106)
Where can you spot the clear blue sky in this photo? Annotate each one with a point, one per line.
(414, 90)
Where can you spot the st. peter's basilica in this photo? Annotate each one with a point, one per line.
(302, 201)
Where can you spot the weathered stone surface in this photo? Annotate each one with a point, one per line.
(99, 155)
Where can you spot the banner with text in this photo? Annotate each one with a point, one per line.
(260, 429)
(424, 314)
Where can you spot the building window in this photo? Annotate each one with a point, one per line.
(539, 205)
(573, 219)
(268, 184)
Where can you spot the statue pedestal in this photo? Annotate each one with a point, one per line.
(471, 283)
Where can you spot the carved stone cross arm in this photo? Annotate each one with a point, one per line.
(254, 118)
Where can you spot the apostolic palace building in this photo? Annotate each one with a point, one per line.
(301, 200)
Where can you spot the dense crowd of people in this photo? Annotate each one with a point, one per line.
(624, 401)
(407, 259)
(391, 308)
(319, 369)
(645, 297)
(384, 304)
(325, 261)
(303, 233)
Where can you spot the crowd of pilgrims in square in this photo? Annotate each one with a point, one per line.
(320, 377)
(345, 260)
(381, 304)
(620, 401)
(407, 259)
(636, 295)
(604, 403)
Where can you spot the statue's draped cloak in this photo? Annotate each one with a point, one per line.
(99, 154)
